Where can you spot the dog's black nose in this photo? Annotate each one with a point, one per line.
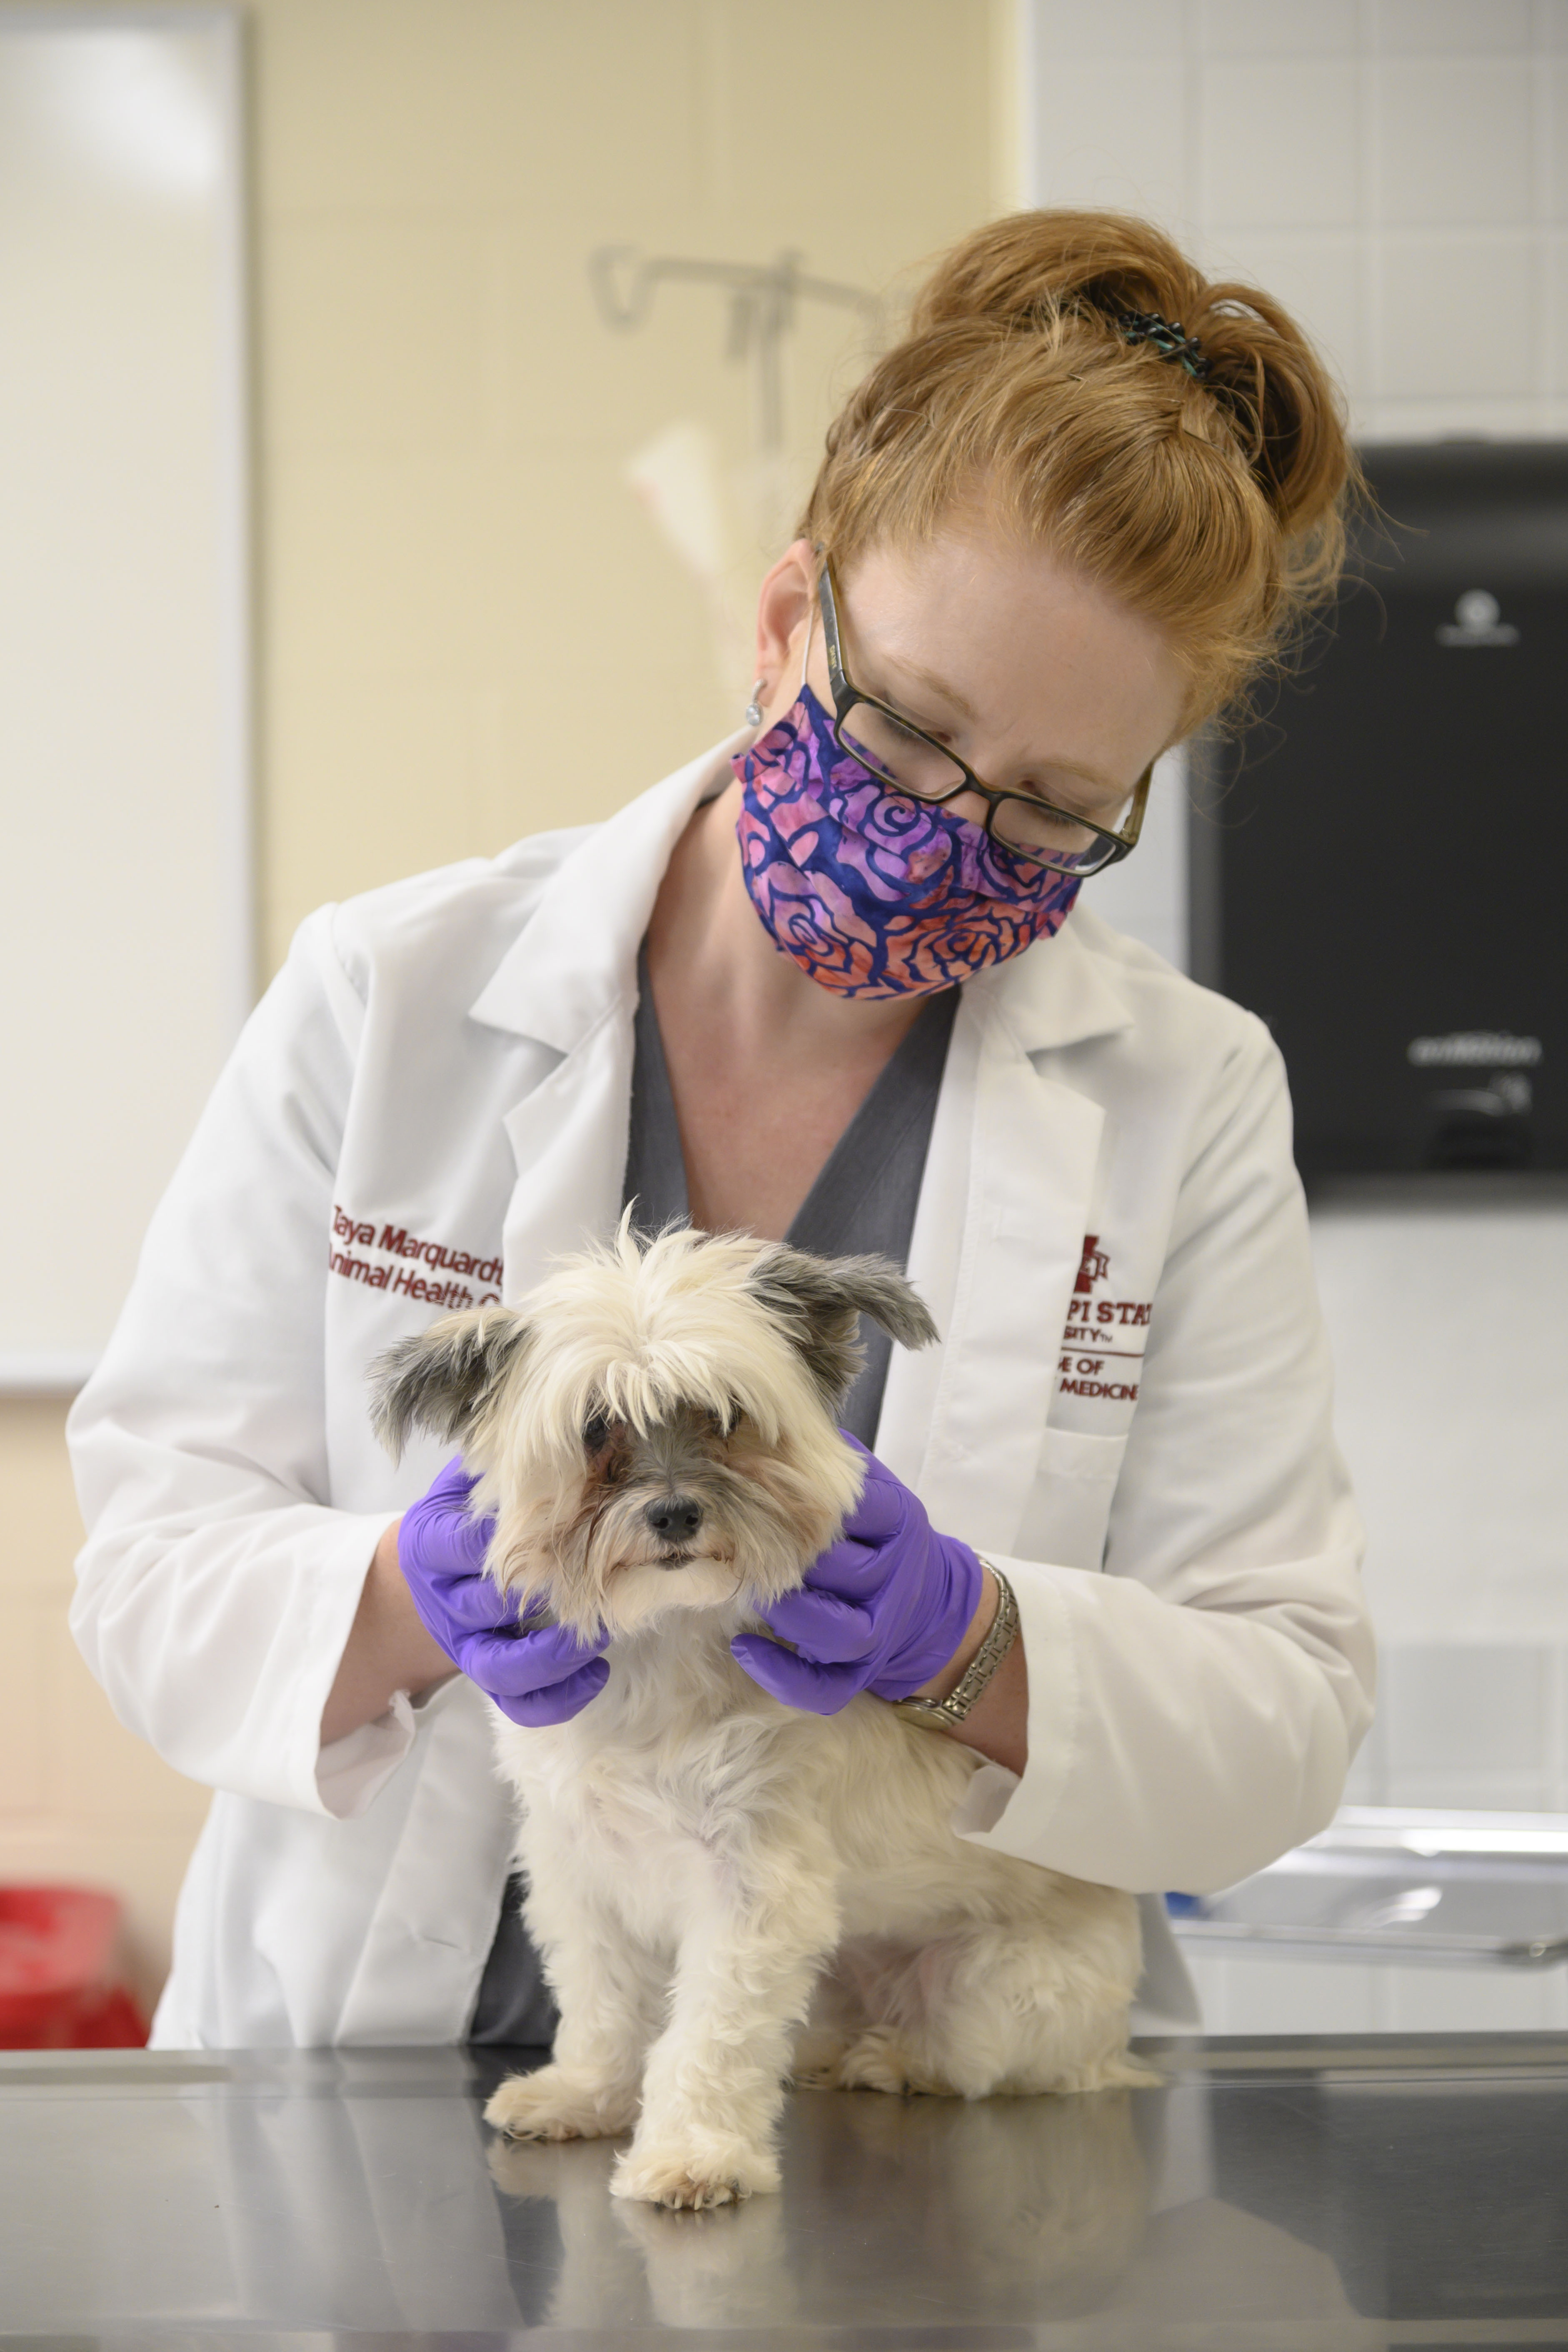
(675, 1517)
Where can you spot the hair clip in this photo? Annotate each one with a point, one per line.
(1171, 341)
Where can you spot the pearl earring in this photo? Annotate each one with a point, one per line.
(754, 708)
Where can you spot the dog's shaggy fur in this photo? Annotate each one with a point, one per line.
(728, 1893)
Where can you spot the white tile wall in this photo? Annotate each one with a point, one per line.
(1398, 168)
(1483, 1728)
(1452, 143)
(1425, 348)
(1407, 27)
(1552, 139)
(1451, 1355)
(1277, 28)
(1396, 172)
(1151, 176)
(1266, 168)
(1108, 28)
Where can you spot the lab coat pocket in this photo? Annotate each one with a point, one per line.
(1068, 1507)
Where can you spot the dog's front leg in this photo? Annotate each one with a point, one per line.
(610, 1993)
(713, 2083)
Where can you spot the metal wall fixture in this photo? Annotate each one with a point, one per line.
(764, 299)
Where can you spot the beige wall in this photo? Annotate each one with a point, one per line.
(468, 625)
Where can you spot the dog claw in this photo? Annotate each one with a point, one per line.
(690, 2188)
(700, 2196)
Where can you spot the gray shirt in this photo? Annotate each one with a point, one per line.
(864, 1198)
(863, 1201)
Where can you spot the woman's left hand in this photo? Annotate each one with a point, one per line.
(884, 1609)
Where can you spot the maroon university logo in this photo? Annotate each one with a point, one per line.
(1103, 1343)
(1094, 1266)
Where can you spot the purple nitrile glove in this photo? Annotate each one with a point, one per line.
(536, 1674)
(882, 1610)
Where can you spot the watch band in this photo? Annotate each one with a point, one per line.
(937, 1713)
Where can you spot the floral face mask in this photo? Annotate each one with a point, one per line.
(870, 893)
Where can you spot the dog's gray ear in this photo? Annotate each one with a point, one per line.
(443, 1379)
(819, 1301)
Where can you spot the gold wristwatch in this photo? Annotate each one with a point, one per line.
(940, 1714)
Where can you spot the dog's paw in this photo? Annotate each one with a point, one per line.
(555, 2104)
(694, 2179)
(1122, 2071)
(818, 2057)
(878, 2060)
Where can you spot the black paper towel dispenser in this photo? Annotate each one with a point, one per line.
(1378, 863)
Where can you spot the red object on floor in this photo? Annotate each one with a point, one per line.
(61, 1985)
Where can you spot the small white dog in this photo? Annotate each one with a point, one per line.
(728, 1893)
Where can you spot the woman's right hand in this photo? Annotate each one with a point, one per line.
(536, 1674)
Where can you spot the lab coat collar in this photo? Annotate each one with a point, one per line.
(577, 953)
(1060, 991)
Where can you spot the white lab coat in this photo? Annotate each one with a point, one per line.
(438, 1080)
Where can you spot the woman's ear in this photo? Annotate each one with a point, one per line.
(783, 609)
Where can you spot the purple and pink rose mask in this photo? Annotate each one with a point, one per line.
(870, 893)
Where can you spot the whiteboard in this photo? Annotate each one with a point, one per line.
(126, 950)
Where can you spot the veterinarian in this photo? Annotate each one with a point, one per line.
(839, 979)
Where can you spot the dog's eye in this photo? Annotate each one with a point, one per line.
(594, 1432)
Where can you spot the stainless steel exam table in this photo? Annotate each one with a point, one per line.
(1311, 2194)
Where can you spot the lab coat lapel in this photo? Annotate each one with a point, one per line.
(569, 983)
(998, 1240)
(569, 1139)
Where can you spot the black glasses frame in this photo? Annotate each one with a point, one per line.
(846, 694)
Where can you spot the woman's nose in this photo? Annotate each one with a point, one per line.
(969, 806)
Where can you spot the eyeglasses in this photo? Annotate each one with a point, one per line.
(913, 763)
